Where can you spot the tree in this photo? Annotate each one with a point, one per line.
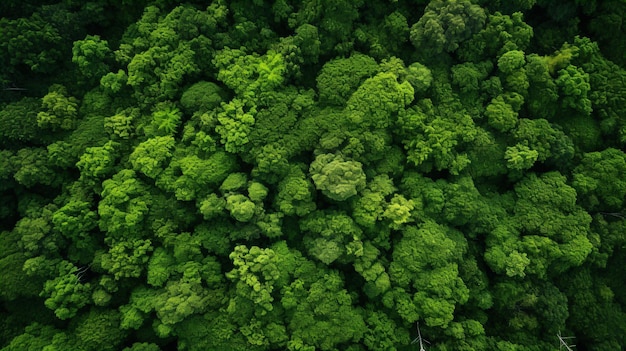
(257, 275)
(24, 128)
(126, 259)
(574, 86)
(236, 122)
(339, 78)
(501, 33)
(66, 294)
(331, 236)
(99, 330)
(150, 156)
(426, 259)
(295, 194)
(124, 206)
(60, 111)
(336, 178)
(597, 179)
(321, 314)
(98, 161)
(378, 100)
(445, 24)
(91, 55)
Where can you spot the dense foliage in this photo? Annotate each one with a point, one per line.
(312, 175)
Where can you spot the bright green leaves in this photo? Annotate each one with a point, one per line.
(426, 259)
(371, 206)
(114, 82)
(236, 121)
(60, 111)
(337, 178)
(66, 294)
(91, 55)
(270, 71)
(236, 69)
(372, 270)
(511, 61)
(295, 194)
(322, 315)
(431, 141)
(160, 54)
(398, 211)
(257, 271)
(511, 65)
(377, 101)
(501, 115)
(520, 157)
(150, 156)
(331, 236)
(98, 161)
(124, 205)
(76, 221)
(546, 247)
(547, 139)
(165, 121)
(127, 259)
(298, 49)
(599, 180)
(339, 78)
(445, 24)
(247, 74)
(177, 301)
(159, 267)
(197, 174)
(573, 82)
(240, 207)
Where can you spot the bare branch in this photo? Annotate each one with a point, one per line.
(419, 339)
(563, 342)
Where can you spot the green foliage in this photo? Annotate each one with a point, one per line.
(32, 168)
(126, 259)
(336, 178)
(18, 122)
(257, 272)
(502, 33)
(312, 175)
(240, 207)
(91, 55)
(32, 42)
(574, 85)
(59, 110)
(236, 122)
(150, 156)
(426, 259)
(124, 205)
(598, 180)
(322, 315)
(98, 161)
(445, 24)
(66, 294)
(338, 78)
(202, 97)
(332, 236)
(100, 330)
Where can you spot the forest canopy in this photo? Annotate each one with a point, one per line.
(312, 175)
